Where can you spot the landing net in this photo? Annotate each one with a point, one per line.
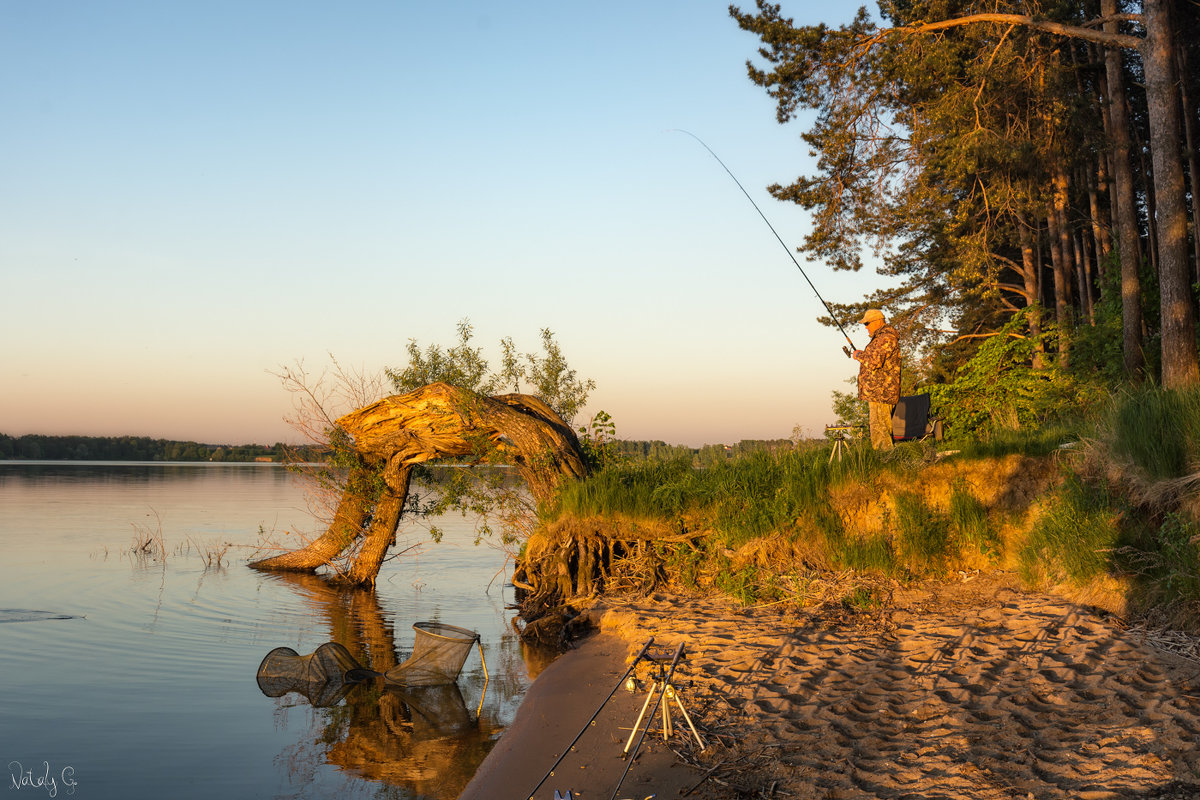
(437, 657)
(320, 676)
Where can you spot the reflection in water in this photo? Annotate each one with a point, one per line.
(424, 739)
(147, 628)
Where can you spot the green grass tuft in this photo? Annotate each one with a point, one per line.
(1178, 569)
(923, 535)
(1035, 443)
(1075, 536)
(1158, 431)
(970, 523)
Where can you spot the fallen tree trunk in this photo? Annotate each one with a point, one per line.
(442, 421)
(352, 514)
(382, 534)
(434, 422)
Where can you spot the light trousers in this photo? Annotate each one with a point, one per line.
(881, 425)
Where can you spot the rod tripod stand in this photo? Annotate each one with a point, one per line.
(841, 439)
(661, 685)
(662, 688)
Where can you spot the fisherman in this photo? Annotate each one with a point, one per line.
(879, 376)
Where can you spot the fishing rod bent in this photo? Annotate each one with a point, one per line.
(783, 244)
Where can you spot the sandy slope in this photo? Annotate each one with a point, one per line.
(976, 690)
(972, 690)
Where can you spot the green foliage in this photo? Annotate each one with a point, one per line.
(708, 455)
(460, 365)
(552, 379)
(1075, 536)
(341, 469)
(864, 598)
(495, 497)
(1096, 350)
(849, 410)
(598, 440)
(969, 520)
(923, 534)
(974, 114)
(650, 450)
(137, 448)
(685, 561)
(1176, 570)
(1157, 431)
(999, 389)
(953, 150)
(741, 584)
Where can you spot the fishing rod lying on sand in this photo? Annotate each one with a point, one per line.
(788, 250)
(641, 653)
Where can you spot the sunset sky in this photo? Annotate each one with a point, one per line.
(194, 194)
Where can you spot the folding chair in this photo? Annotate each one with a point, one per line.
(911, 422)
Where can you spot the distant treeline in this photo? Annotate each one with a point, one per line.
(144, 448)
(135, 448)
(705, 456)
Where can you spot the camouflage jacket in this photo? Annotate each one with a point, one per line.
(879, 369)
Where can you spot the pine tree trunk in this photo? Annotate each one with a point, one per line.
(1083, 257)
(1029, 276)
(1187, 92)
(1180, 360)
(1149, 193)
(1060, 249)
(1126, 222)
(1101, 236)
(1062, 230)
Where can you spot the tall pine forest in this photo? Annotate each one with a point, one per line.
(1025, 177)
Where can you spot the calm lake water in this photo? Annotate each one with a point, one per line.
(148, 689)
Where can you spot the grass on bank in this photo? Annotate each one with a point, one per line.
(770, 525)
(1129, 510)
(1122, 510)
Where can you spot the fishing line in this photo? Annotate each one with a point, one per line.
(787, 249)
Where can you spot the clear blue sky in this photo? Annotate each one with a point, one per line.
(193, 194)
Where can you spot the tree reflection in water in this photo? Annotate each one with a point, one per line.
(422, 739)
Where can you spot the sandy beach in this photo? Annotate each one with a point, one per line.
(959, 690)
